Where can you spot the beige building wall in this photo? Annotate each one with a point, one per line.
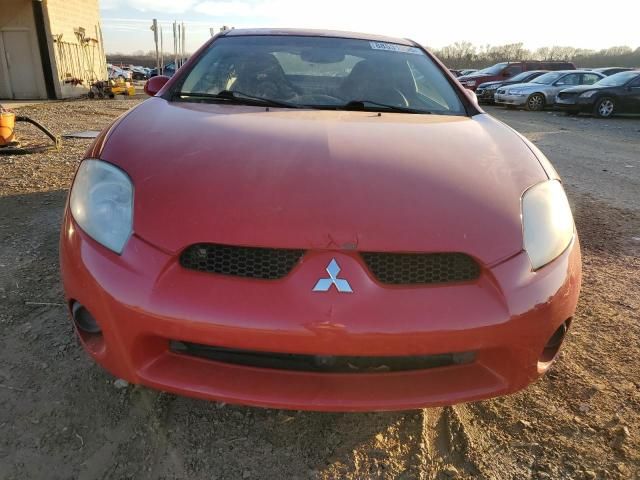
(76, 57)
(21, 74)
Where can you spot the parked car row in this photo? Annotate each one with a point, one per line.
(168, 70)
(541, 91)
(462, 73)
(486, 91)
(507, 70)
(117, 73)
(574, 91)
(128, 72)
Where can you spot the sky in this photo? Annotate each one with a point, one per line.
(126, 23)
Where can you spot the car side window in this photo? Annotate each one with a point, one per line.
(571, 79)
(512, 70)
(589, 79)
(635, 83)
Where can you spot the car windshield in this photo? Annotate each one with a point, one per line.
(319, 72)
(548, 78)
(616, 80)
(521, 76)
(493, 70)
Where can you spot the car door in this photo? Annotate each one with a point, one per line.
(631, 102)
(569, 80)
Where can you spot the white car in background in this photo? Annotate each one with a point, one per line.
(541, 92)
(116, 72)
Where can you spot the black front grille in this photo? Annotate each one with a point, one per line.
(320, 363)
(421, 268)
(250, 262)
(567, 95)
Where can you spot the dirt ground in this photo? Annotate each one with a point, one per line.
(63, 417)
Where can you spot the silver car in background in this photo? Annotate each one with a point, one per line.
(542, 91)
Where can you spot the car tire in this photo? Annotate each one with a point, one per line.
(604, 107)
(535, 102)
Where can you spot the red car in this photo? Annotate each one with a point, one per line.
(323, 221)
(507, 70)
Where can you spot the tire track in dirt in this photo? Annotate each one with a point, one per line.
(448, 444)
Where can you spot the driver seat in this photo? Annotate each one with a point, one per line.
(260, 72)
(372, 81)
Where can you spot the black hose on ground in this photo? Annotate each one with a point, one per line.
(18, 150)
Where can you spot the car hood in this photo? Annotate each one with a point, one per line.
(316, 179)
(473, 77)
(491, 84)
(528, 86)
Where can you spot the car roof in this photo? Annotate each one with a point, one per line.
(304, 32)
(574, 71)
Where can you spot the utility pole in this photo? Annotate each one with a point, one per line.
(175, 43)
(161, 51)
(184, 50)
(154, 29)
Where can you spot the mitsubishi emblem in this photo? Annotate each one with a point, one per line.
(324, 284)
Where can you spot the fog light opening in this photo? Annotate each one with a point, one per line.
(84, 320)
(553, 345)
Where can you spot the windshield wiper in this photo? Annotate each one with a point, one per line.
(362, 105)
(239, 98)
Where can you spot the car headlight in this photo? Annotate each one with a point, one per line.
(547, 222)
(518, 93)
(588, 94)
(101, 203)
(470, 83)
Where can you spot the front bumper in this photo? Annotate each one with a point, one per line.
(144, 299)
(507, 99)
(574, 104)
(485, 95)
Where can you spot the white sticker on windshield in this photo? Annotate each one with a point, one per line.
(394, 47)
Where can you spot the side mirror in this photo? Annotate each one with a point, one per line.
(155, 84)
(506, 74)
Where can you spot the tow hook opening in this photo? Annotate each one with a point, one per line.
(84, 320)
(552, 347)
(88, 330)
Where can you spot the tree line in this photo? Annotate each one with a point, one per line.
(468, 55)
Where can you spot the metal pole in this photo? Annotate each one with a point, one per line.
(154, 27)
(184, 50)
(175, 44)
(161, 51)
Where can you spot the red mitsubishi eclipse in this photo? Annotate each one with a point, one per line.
(318, 220)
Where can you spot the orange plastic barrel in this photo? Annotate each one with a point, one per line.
(7, 124)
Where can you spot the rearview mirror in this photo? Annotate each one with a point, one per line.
(318, 55)
(155, 84)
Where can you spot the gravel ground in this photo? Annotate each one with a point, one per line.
(63, 417)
